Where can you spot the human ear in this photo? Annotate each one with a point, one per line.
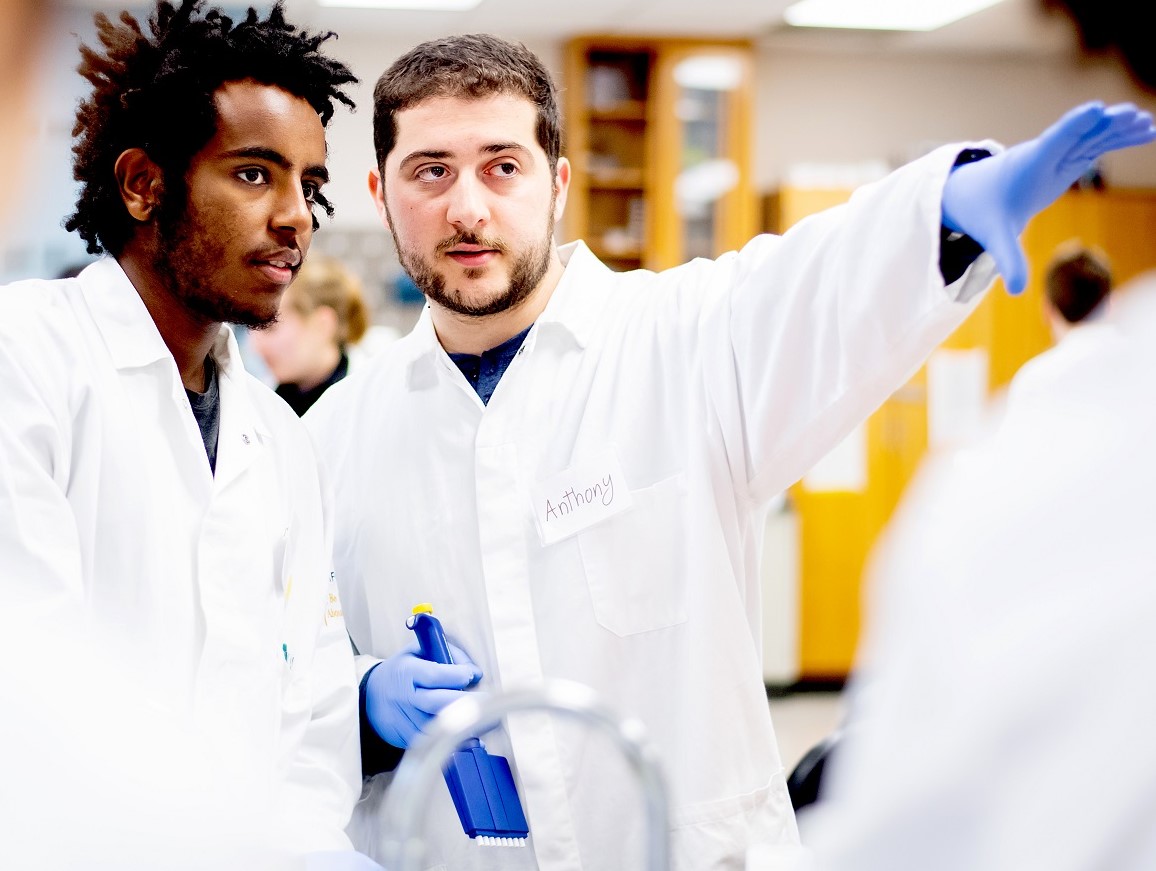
(561, 187)
(377, 191)
(139, 182)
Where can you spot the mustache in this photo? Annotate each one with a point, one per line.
(471, 238)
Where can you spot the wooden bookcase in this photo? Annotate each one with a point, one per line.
(641, 131)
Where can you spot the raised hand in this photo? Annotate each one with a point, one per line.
(992, 200)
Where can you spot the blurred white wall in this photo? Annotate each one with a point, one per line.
(811, 105)
(847, 108)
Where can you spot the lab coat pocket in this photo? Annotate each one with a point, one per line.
(634, 566)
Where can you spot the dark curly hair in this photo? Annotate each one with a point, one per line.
(155, 91)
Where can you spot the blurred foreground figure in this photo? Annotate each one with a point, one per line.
(1002, 708)
(101, 773)
(1003, 713)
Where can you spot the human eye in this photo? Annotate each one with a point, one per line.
(433, 172)
(312, 191)
(504, 169)
(253, 175)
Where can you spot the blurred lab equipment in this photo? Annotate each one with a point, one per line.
(474, 714)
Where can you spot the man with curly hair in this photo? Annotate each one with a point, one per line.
(147, 482)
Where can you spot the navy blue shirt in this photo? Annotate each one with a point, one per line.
(485, 370)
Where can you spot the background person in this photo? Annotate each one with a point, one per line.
(1076, 288)
(1001, 704)
(307, 349)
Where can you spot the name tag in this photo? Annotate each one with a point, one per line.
(580, 497)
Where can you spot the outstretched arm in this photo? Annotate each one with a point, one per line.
(992, 200)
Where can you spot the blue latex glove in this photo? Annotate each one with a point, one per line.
(404, 692)
(992, 200)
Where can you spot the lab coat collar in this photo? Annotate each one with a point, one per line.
(428, 353)
(249, 420)
(569, 312)
(133, 340)
(128, 330)
(244, 430)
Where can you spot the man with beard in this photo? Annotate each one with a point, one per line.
(574, 465)
(147, 483)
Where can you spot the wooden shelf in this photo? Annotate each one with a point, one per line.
(629, 143)
(624, 179)
(619, 254)
(628, 110)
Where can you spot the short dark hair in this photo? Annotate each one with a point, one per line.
(156, 91)
(473, 65)
(1076, 283)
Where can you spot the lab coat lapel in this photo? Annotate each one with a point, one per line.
(125, 325)
(243, 432)
(141, 357)
(569, 310)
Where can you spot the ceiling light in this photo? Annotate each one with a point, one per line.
(408, 5)
(882, 14)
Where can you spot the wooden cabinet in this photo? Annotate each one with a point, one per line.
(839, 529)
(658, 135)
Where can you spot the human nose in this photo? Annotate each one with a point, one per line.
(467, 204)
(292, 211)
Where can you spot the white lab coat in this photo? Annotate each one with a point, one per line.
(100, 776)
(1002, 712)
(1043, 377)
(225, 582)
(702, 392)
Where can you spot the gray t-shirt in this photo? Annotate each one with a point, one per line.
(207, 410)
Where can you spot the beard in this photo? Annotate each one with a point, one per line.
(187, 251)
(528, 270)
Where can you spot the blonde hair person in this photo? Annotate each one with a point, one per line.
(322, 314)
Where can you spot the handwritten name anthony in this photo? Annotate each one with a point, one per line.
(574, 499)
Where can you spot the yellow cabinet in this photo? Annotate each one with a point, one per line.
(658, 134)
